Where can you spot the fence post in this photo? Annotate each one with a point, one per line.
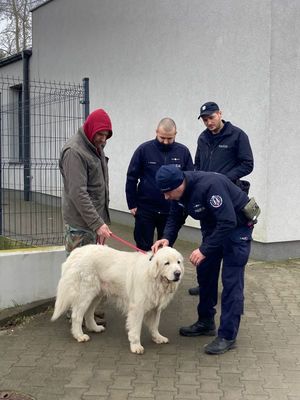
(86, 97)
(26, 127)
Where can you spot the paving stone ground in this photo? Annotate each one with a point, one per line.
(41, 358)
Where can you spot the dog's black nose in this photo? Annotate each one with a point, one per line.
(177, 275)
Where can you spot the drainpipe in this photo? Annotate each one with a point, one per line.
(26, 126)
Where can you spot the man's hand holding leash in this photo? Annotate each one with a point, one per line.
(103, 233)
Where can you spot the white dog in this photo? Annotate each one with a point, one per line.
(142, 285)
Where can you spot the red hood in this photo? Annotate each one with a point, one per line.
(97, 121)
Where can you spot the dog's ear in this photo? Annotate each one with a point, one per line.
(155, 266)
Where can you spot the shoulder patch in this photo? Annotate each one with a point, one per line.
(216, 201)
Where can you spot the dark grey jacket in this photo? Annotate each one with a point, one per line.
(85, 178)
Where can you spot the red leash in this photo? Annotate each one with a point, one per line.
(127, 243)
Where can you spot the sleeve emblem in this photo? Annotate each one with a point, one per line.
(216, 201)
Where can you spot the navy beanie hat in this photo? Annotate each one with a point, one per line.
(169, 177)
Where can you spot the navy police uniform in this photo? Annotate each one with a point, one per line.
(217, 203)
(228, 152)
(141, 189)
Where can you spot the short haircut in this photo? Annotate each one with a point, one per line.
(167, 124)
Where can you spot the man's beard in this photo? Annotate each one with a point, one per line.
(165, 147)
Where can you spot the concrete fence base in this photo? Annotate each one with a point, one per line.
(29, 275)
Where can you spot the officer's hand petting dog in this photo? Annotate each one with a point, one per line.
(226, 227)
(195, 258)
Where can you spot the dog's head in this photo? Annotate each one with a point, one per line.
(168, 264)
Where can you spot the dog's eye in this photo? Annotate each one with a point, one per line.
(167, 263)
(178, 262)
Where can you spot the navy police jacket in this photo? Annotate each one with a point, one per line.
(212, 199)
(229, 152)
(141, 189)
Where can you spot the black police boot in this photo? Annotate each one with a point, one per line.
(203, 327)
(219, 346)
(194, 291)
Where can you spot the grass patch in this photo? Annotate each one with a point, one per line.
(19, 320)
(7, 244)
(20, 315)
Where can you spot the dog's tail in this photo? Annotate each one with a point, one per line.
(63, 301)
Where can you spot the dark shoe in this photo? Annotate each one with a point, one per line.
(194, 291)
(99, 314)
(99, 321)
(219, 346)
(199, 328)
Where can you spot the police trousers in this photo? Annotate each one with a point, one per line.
(234, 252)
(146, 222)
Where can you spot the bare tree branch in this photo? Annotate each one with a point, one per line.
(15, 27)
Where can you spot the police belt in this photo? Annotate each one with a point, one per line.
(251, 210)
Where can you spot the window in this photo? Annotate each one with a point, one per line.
(15, 122)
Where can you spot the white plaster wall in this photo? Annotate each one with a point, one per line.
(27, 276)
(282, 148)
(147, 59)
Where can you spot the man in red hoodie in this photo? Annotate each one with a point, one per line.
(83, 167)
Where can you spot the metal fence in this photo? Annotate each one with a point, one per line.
(36, 118)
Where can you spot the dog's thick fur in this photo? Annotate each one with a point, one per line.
(142, 285)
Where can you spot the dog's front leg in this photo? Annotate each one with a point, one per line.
(134, 326)
(152, 321)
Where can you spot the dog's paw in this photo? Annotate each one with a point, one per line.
(159, 339)
(137, 348)
(99, 328)
(83, 338)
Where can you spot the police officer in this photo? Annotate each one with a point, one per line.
(224, 148)
(145, 202)
(218, 203)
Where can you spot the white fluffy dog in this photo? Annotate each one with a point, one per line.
(142, 285)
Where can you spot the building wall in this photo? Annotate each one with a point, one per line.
(147, 59)
(14, 69)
